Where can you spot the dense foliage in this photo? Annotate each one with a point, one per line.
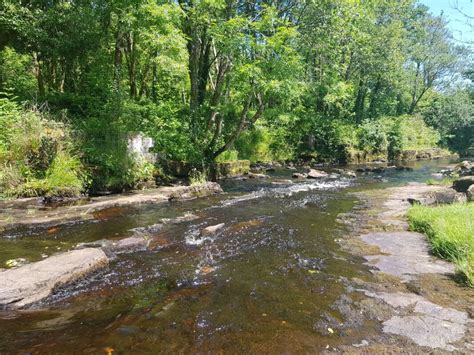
(221, 79)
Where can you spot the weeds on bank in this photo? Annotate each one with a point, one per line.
(450, 230)
(197, 177)
(447, 181)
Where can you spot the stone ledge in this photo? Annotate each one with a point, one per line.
(33, 282)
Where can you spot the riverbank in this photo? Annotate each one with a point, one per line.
(33, 213)
(421, 299)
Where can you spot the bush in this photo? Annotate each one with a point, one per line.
(327, 139)
(36, 155)
(263, 144)
(197, 177)
(416, 134)
(229, 155)
(372, 137)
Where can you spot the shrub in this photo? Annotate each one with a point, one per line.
(229, 155)
(197, 177)
(416, 134)
(263, 144)
(140, 173)
(372, 137)
(36, 155)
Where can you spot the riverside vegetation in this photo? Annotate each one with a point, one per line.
(298, 255)
(450, 230)
(220, 80)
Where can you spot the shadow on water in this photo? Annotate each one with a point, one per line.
(263, 283)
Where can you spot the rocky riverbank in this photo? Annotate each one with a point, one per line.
(32, 212)
(415, 295)
(27, 284)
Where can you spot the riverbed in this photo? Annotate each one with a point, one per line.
(275, 278)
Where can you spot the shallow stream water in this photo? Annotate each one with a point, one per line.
(266, 282)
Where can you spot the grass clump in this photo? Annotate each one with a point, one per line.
(447, 181)
(450, 229)
(197, 177)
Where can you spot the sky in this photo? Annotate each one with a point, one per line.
(458, 23)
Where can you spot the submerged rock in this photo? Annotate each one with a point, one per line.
(188, 217)
(33, 282)
(316, 174)
(257, 176)
(128, 245)
(298, 176)
(15, 262)
(404, 168)
(349, 174)
(212, 229)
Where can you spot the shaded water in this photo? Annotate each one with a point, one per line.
(267, 282)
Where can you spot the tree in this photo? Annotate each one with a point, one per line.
(432, 58)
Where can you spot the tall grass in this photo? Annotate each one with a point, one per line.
(36, 154)
(445, 181)
(450, 230)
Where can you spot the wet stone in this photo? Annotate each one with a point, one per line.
(404, 254)
(212, 229)
(32, 282)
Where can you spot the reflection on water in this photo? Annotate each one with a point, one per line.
(265, 282)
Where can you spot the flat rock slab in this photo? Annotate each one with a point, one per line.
(32, 282)
(404, 254)
(129, 245)
(425, 323)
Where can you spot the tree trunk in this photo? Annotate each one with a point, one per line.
(360, 102)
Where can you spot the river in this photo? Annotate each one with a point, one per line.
(269, 281)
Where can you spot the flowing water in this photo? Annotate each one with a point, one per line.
(264, 283)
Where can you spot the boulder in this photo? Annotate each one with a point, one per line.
(428, 200)
(462, 184)
(33, 282)
(442, 197)
(298, 176)
(449, 196)
(349, 174)
(470, 193)
(257, 176)
(212, 229)
(194, 191)
(464, 168)
(316, 174)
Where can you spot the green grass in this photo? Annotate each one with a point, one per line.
(450, 230)
(447, 181)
